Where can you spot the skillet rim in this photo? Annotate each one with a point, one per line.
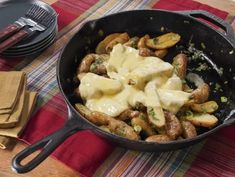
(96, 129)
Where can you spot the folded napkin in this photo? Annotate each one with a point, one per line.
(10, 89)
(11, 118)
(18, 102)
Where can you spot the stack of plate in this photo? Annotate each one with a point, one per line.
(10, 11)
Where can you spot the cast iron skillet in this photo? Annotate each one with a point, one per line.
(218, 53)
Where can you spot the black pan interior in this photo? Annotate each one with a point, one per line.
(217, 51)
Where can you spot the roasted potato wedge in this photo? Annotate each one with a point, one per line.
(96, 118)
(156, 116)
(142, 41)
(115, 126)
(84, 67)
(180, 65)
(203, 120)
(158, 138)
(133, 42)
(201, 94)
(189, 131)
(101, 47)
(207, 107)
(128, 114)
(173, 126)
(122, 129)
(122, 38)
(164, 41)
(141, 121)
(161, 53)
(145, 52)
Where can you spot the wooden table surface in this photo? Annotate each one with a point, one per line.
(54, 168)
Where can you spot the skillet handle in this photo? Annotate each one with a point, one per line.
(229, 33)
(46, 145)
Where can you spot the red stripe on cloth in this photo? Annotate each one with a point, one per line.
(7, 64)
(217, 159)
(69, 10)
(188, 5)
(79, 151)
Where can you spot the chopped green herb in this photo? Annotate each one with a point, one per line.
(155, 40)
(202, 67)
(121, 132)
(203, 45)
(101, 32)
(152, 113)
(223, 99)
(217, 86)
(137, 128)
(189, 113)
(134, 44)
(142, 116)
(183, 81)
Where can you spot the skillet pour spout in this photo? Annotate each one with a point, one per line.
(185, 23)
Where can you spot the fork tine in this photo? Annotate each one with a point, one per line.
(41, 15)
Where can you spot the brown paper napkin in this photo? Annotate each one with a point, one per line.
(10, 119)
(10, 83)
(30, 99)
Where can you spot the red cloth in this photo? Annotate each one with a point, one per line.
(85, 151)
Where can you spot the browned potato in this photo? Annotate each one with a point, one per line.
(122, 38)
(145, 52)
(100, 49)
(122, 129)
(84, 67)
(164, 41)
(96, 118)
(128, 114)
(201, 94)
(142, 122)
(156, 116)
(115, 126)
(186, 88)
(158, 138)
(180, 65)
(142, 41)
(133, 42)
(189, 131)
(161, 53)
(203, 120)
(173, 126)
(207, 107)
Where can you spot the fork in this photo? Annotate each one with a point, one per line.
(22, 21)
(43, 18)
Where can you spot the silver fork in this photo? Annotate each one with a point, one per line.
(44, 20)
(22, 21)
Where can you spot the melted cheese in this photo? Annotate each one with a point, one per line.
(155, 85)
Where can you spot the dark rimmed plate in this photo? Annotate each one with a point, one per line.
(33, 47)
(10, 11)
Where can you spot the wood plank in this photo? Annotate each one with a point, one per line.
(226, 5)
(50, 167)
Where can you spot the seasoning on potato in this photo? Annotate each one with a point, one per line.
(129, 90)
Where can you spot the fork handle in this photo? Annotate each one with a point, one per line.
(13, 40)
(8, 31)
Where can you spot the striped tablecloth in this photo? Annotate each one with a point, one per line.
(213, 157)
